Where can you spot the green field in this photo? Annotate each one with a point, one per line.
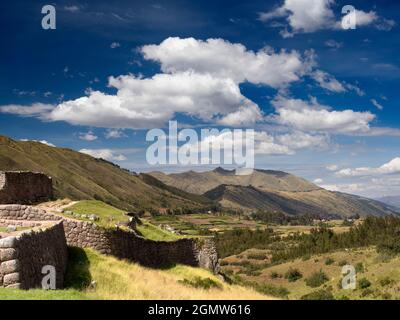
(107, 214)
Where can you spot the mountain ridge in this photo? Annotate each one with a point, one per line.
(273, 191)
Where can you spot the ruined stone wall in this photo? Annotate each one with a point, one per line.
(22, 257)
(24, 187)
(128, 245)
(23, 212)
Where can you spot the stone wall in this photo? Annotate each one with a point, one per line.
(129, 245)
(22, 257)
(24, 187)
(26, 213)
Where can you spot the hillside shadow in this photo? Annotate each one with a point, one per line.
(77, 275)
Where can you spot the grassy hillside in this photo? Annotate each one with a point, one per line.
(273, 191)
(381, 271)
(91, 275)
(79, 176)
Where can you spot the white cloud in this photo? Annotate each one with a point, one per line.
(114, 134)
(306, 16)
(300, 140)
(115, 45)
(318, 181)
(330, 83)
(391, 167)
(312, 116)
(303, 15)
(223, 59)
(332, 167)
(362, 18)
(106, 154)
(88, 136)
(327, 81)
(41, 141)
(333, 44)
(376, 104)
(345, 187)
(34, 110)
(151, 102)
(72, 9)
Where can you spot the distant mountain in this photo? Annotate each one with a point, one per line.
(266, 180)
(80, 176)
(391, 200)
(273, 191)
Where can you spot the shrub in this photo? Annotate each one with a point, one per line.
(367, 292)
(319, 295)
(275, 275)
(272, 290)
(364, 283)
(202, 283)
(256, 256)
(359, 267)
(342, 263)
(386, 296)
(386, 282)
(317, 279)
(329, 261)
(293, 275)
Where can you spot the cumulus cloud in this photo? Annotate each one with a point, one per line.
(88, 136)
(318, 181)
(151, 102)
(306, 16)
(391, 167)
(106, 154)
(312, 116)
(223, 59)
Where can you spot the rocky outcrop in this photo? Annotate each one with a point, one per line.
(24, 187)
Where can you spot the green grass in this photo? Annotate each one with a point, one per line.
(152, 232)
(38, 294)
(4, 229)
(107, 214)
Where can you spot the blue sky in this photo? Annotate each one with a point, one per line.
(323, 100)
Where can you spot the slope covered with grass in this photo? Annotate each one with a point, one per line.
(79, 176)
(91, 275)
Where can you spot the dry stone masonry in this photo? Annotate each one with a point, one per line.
(22, 257)
(127, 244)
(24, 187)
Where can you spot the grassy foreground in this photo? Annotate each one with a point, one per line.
(94, 276)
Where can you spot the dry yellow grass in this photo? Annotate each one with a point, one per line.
(375, 266)
(117, 279)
